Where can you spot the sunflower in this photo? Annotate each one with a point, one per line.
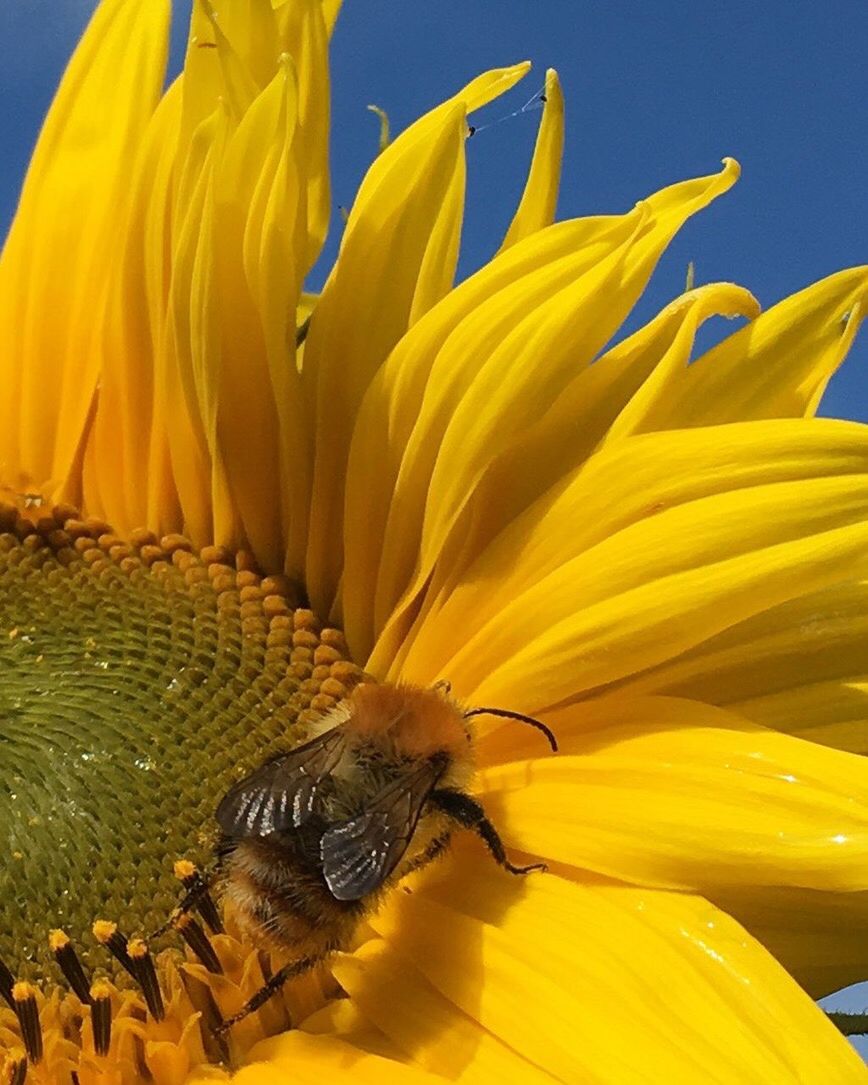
(227, 501)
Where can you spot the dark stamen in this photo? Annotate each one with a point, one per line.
(108, 935)
(101, 1016)
(69, 964)
(24, 999)
(197, 940)
(7, 982)
(507, 715)
(143, 963)
(17, 1068)
(200, 994)
(203, 902)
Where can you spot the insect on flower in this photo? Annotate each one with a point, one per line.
(315, 837)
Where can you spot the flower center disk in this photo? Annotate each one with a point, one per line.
(138, 680)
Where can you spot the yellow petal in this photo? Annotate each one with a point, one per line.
(128, 447)
(330, 10)
(396, 260)
(185, 379)
(539, 199)
(562, 973)
(343, 1019)
(600, 403)
(258, 264)
(304, 29)
(74, 202)
(484, 387)
(300, 1058)
(428, 1027)
(676, 793)
(820, 938)
(799, 667)
(249, 44)
(778, 366)
(485, 307)
(635, 561)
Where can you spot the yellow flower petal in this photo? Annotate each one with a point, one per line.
(257, 236)
(489, 305)
(396, 260)
(482, 386)
(713, 1006)
(75, 195)
(800, 667)
(776, 367)
(343, 1018)
(538, 202)
(820, 938)
(614, 573)
(600, 403)
(126, 467)
(304, 28)
(330, 10)
(300, 1058)
(428, 1027)
(676, 793)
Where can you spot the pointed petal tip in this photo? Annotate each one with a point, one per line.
(722, 299)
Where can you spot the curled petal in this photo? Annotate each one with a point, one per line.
(778, 366)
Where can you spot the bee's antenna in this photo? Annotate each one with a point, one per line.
(507, 715)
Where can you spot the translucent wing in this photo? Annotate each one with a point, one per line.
(280, 794)
(359, 854)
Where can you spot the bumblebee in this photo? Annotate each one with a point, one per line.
(313, 838)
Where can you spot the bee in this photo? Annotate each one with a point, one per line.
(314, 838)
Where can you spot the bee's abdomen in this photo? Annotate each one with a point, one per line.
(278, 895)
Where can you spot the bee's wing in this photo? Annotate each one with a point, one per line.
(359, 854)
(279, 795)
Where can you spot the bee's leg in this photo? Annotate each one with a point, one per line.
(469, 814)
(435, 847)
(288, 972)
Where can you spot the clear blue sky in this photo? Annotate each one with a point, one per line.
(655, 92)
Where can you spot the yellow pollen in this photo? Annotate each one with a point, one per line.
(137, 948)
(183, 868)
(100, 989)
(57, 940)
(103, 929)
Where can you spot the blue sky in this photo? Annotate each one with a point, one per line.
(656, 92)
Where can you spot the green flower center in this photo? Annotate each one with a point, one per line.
(138, 680)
